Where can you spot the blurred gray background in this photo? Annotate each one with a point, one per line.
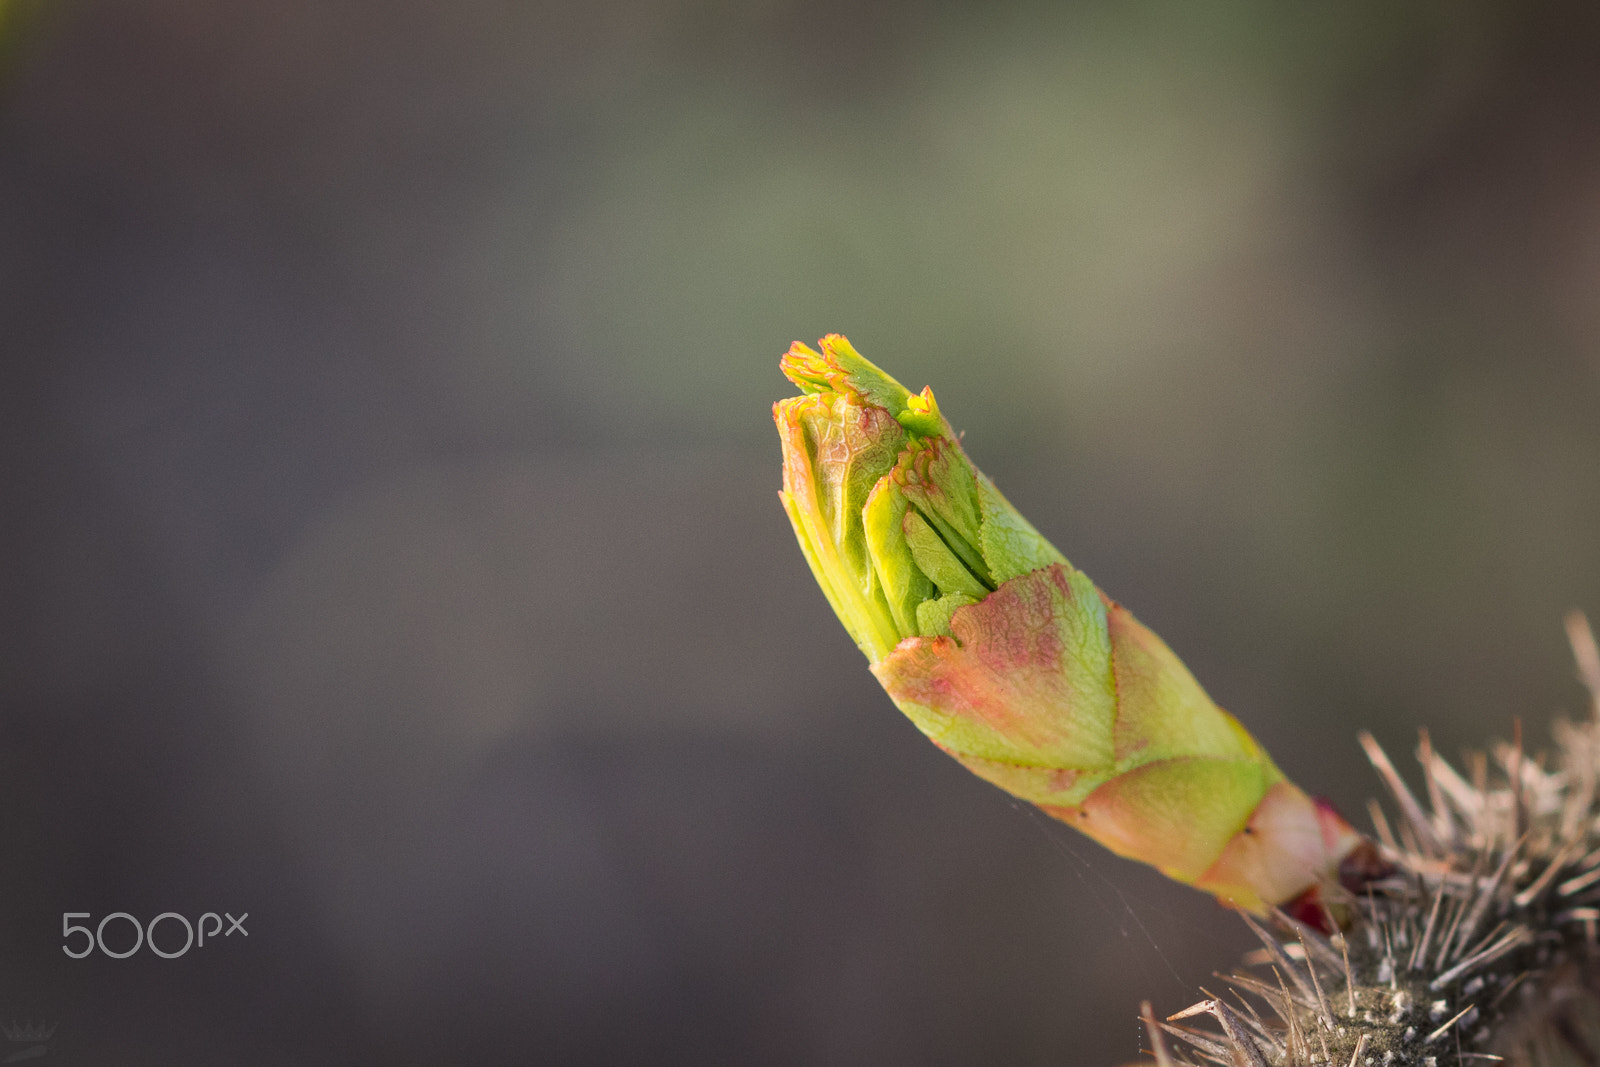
(389, 545)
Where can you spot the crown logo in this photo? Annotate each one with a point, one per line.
(27, 1031)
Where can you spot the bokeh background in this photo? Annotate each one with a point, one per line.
(389, 546)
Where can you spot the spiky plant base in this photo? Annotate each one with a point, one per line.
(1478, 948)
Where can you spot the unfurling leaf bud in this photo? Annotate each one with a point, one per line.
(1010, 659)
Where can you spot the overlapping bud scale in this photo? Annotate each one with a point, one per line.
(1012, 661)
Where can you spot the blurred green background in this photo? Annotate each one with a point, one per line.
(389, 543)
